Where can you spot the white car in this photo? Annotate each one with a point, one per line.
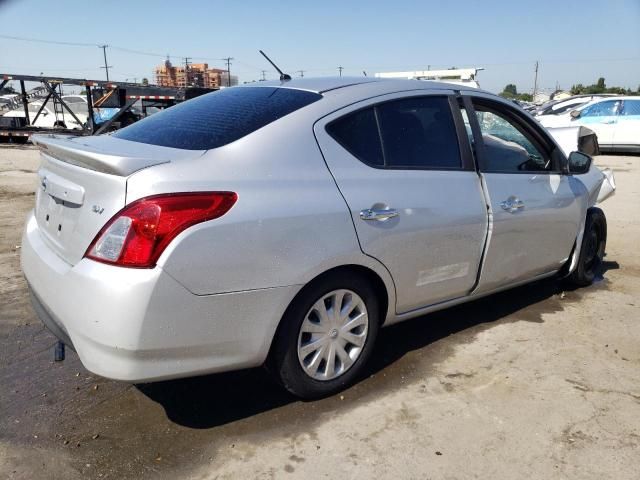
(48, 117)
(556, 107)
(616, 122)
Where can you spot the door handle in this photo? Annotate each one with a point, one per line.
(608, 122)
(512, 204)
(372, 214)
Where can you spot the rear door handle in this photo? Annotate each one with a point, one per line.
(372, 214)
(512, 204)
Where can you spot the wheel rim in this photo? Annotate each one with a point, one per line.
(333, 334)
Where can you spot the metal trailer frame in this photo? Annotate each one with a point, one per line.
(122, 95)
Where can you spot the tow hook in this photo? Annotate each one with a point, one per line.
(58, 352)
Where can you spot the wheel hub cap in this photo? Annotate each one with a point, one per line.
(333, 334)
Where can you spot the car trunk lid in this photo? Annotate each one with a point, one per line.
(82, 183)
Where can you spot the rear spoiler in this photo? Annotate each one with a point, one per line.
(85, 152)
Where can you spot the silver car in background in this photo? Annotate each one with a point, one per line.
(285, 223)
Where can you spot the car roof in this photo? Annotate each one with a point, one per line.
(326, 84)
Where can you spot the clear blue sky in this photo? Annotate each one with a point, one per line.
(575, 41)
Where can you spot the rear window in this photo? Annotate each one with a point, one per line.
(217, 118)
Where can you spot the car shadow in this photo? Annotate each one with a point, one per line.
(215, 400)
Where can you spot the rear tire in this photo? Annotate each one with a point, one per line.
(326, 336)
(592, 250)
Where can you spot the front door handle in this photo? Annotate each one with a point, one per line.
(512, 204)
(373, 214)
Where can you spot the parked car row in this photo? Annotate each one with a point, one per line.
(556, 107)
(615, 120)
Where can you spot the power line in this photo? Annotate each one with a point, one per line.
(55, 42)
(113, 47)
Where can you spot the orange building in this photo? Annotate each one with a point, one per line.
(197, 75)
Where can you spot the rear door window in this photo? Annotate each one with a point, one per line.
(358, 133)
(217, 118)
(414, 132)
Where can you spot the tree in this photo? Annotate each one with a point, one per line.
(145, 81)
(511, 92)
(577, 89)
(601, 83)
(510, 89)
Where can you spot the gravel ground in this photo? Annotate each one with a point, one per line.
(536, 382)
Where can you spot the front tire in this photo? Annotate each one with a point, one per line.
(326, 336)
(592, 250)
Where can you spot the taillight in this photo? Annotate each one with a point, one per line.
(138, 234)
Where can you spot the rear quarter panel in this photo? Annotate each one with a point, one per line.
(289, 223)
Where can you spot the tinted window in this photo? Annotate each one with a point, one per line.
(358, 133)
(419, 132)
(416, 132)
(631, 107)
(600, 109)
(218, 118)
(508, 148)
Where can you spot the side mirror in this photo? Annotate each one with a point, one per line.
(579, 163)
(575, 114)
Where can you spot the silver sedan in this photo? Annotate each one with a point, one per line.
(283, 224)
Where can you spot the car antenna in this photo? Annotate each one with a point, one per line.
(283, 76)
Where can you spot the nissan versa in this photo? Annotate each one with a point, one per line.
(283, 224)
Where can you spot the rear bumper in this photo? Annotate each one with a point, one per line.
(142, 325)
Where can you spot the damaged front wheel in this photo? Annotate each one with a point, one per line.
(592, 249)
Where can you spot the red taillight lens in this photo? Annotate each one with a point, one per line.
(138, 234)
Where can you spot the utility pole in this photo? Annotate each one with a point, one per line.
(104, 52)
(340, 70)
(228, 60)
(187, 64)
(264, 76)
(535, 83)
(301, 72)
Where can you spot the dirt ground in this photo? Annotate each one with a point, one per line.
(532, 383)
